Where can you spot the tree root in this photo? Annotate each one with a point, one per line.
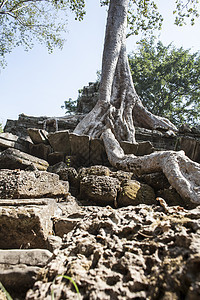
(182, 173)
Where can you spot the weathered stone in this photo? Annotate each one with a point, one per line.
(38, 136)
(15, 159)
(56, 157)
(129, 148)
(18, 279)
(138, 252)
(98, 154)
(28, 184)
(29, 257)
(173, 198)
(54, 242)
(134, 193)
(59, 141)
(68, 174)
(40, 150)
(65, 172)
(157, 181)
(26, 223)
(122, 175)
(88, 98)
(94, 170)
(191, 147)
(142, 148)
(80, 148)
(9, 140)
(57, 167)
(64, 225)
(99, 189)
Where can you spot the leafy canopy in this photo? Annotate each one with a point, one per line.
(22, 22)
(144, 15)
(167, 80)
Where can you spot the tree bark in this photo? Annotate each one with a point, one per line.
(119, 107)
(182, 173)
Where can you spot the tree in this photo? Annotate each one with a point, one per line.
(22, 22)
(167, 80)
(70, 106)
(118, 104)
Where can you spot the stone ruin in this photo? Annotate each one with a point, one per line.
(66, 211)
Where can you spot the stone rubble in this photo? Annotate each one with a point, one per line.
(65, 211)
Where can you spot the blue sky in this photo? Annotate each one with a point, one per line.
(37, 83)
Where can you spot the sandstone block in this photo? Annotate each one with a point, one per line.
(94, 170)
(15, 159)
(26, 223)
(59, 141)
(99, 189)
(28, 184)
(38, 136)
(9, 140)
(56, 157)
(134, 193)
(18, 279)
(30, 257)
(98, 154)
(80, 148)
(40, 150)
(142, 148)
(191, 147)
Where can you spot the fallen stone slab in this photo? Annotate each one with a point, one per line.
(80, 147)
(40, 150)
(19, 269)
(29, 257)
(15, 159)
(59, 141)
(9, 140)
(31, 184)
(38, 136)
(27, 224)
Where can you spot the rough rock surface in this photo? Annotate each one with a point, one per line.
(20, 267)
(30, 184)
(147, 250)
(15, 159)
(9, 140)
(100, 190)
(26, 223)
(141, 252)
(134, 193)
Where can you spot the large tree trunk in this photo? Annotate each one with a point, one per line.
(118, 105)
(118, 101)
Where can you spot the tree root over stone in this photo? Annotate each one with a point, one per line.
(182, 173)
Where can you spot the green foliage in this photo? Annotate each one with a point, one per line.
(1, 128)
(5, 292)
(70, 106)
(23, 22)
(167, 80)
(68, 278)
(144, 16)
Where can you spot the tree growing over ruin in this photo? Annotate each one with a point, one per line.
(119, 107)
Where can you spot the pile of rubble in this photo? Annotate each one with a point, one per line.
(65, 211)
